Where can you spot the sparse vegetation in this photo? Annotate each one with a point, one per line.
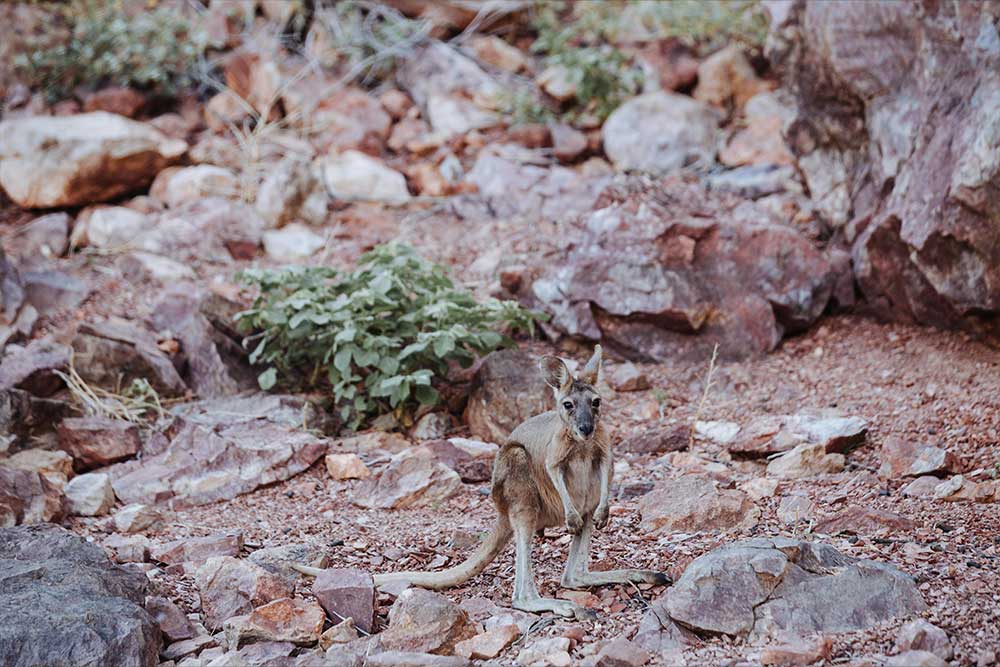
(99, 42)
(377, 337)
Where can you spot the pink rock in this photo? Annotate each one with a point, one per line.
(691, 503)
(228, 587)
(173, 622)
(94, 442)
(621, 652)
(284, 620)
(197, 549)
(412, 479)
(347, 593)
(488, 645)
(426, 622)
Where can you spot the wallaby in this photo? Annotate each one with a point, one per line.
(555, 467)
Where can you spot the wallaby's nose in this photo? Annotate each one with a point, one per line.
(586, 428)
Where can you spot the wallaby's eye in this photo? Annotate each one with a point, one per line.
(596, 403)
(568, 405)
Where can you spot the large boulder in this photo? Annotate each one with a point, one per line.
(766, 588)
(507, 389)
(62, 602)
(49, 161)
(667, 269)
(223, 448)
(897, 137)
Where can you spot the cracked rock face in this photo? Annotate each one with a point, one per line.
(763, 588)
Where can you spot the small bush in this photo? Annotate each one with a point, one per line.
(99, 42)
(377, 337)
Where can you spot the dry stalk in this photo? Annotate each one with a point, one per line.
(100, 402)
(704, 395)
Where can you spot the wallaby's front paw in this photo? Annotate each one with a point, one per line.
(574, 522)
(601, 516)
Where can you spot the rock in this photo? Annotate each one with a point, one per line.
(373, 441)
(436, 70)
(47, 162)
(355, 176)
(432, 426)
(349, 119)
(795, 508)
(33, 367)
(919, 635)
(805, 461)
(905, 458)
(755, 181)
(110, 227)
(279, 560)
(488, 645)
(197, 549)
(915, 659)
(180, 185)
(52, 292)
(292, 243)
(507, 389)
(292, 192)
(64, 603)
(557, 81)
(209, 230)
(414, 659)
(228, 587)
(426, 622)
(347, 593)
(621, 652)
(726, 77)
(798, 652)
(137, 517)
(760, 488)
(720, 433)
(956, 489)
(553, 651)
(669, 64)
(27, 497)
(657, 632)
(127, 548)
(115, 352)
(173, 623)
(494, 51)
(187, 647)
(46, 236)
(921, 487)
(90, 495)
(121, 100)
(341, 633)
(644, 278)
(223, 448)
(94, 442)
(568, 143)
(284, 620)
(452, 115)
(627, 377)
(55, 465)
(863, 520)
(658, 440)
(692, 503)
(140, 266)
(766, 587)
(346, 466)
(772, 434)
(761, 141)
(412, 479)
(925, 246)
(685, 133)
(471, 459)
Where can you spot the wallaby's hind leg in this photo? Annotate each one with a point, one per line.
(577, 574)
(526, 597)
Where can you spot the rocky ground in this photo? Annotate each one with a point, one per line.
(815, 468)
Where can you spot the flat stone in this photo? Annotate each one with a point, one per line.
(284, 620)
(806, 460)
(90, 494)
(488, 645)
(863, 521)
(32, 368)
(692, 503)
(347, 593)
(920, 635)
(95, 442)
(197, 549)
(902, 457)
(230, 587)
(137, 517)
(412, 479)
(426, 622)
(773, 434)
(794, 509)
(620, 652)
(346, 466)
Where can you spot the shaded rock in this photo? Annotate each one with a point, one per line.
(137, 517)
(432, 426)
(766, 587)
(341, 633)
(692, 503)
(919, 635)
(229, 587)
(197, 549)
(684, 133)
(669, 64)
(28, 497)
(346, 466)
(292, 242)
(425, 622)
(507, 389)
(658, 440)
(285, 620)
(53, 292)
(905, 458)
(223, 448)
(121, 100)
(212, 229)
(110, 227)
(726, 77)
(279, 560)
(90, 495)
(795, 508)
(772, 434)
(488, 645)
(291, 192)
(568, 143)
(805, 461)
(171, 619)
(671, 275)
(46, 236)
(352, 175)
(71, 160)
(62, 602)
(921, 487)
(628, 377)
(118, 351)
(94, 442)
(471, 459)
(863, 520)
(762, 141)
(347, 593)
(412, 479)
(659, 634)
(188, 647)
(33, 367)
(915, 659)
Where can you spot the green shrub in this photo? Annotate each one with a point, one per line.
(99, 42)
(376, 337)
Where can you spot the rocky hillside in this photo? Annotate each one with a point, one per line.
(275, 276)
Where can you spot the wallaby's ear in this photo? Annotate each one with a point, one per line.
(592, 371)
(554, 371)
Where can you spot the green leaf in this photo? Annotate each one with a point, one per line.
(267, 379)
(426, 395)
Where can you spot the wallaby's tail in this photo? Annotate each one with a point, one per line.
(488, 550)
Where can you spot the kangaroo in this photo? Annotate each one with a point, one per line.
(554, 468)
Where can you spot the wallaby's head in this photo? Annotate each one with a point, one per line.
(577, 401)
